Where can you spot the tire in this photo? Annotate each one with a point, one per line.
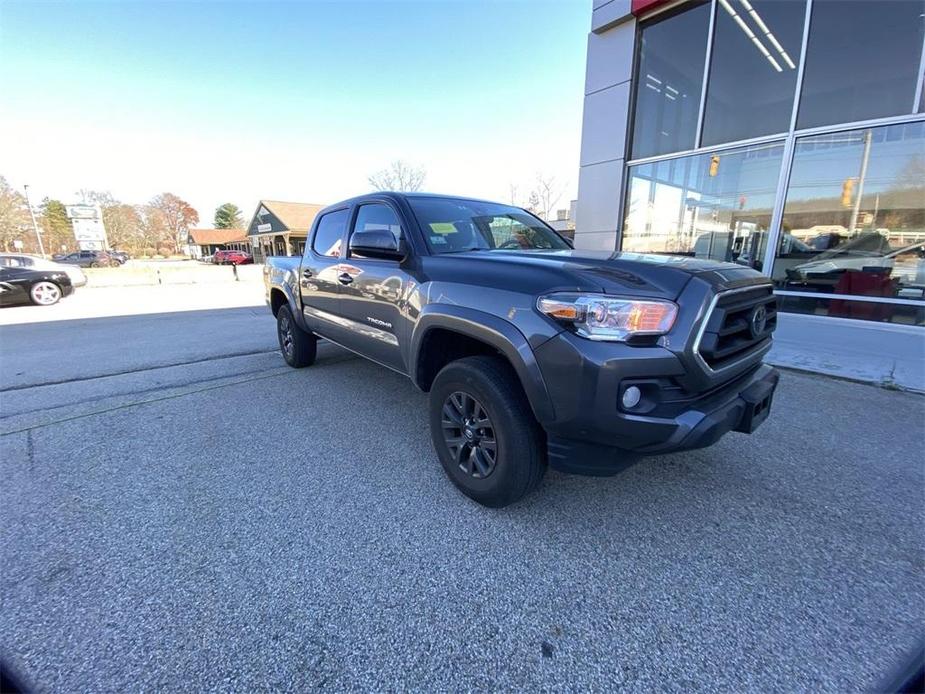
(45, 293)
(297, 346)
(493, 390)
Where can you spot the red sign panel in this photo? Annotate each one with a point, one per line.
(642, 6)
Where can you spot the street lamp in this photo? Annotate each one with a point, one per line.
(35, 226)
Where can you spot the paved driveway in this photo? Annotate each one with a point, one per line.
(229, 523)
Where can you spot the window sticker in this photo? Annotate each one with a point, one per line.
(443, 228)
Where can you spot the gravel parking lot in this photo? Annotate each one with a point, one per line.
(188, 513)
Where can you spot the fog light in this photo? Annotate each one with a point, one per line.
(631, 397)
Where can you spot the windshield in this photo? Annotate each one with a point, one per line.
(868, 244)
(452, 225)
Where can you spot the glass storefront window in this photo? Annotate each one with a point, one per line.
(753, 69)
(671, 58)
(862, 60)
(854, 217)
(709, 205)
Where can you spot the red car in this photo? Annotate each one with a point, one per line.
(232, 258)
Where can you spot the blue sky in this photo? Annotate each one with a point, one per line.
(238, 101)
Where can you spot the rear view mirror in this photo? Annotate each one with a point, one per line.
(377, 243)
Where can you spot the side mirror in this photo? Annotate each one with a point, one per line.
(377, 243)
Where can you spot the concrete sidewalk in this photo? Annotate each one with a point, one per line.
(891, 356)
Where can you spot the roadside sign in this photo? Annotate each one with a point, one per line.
(84, 212)
(17, 244)
(89, 232)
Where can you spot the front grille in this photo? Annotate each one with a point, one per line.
(734, 327)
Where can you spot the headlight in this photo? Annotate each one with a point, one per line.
(598, 317)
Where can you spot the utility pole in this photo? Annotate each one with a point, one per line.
(863, 175)
(35, 227)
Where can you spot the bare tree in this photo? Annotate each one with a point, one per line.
(14, 215)
(544, 195)
(123, 226)
(398, 176)
(154, 232)
(179, 216)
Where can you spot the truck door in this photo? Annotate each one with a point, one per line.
(373, 298)
(318, 280)
(14, 283)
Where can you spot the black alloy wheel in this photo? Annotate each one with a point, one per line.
(285, 336)
(298, 346)
(484, 431)
(469, 435)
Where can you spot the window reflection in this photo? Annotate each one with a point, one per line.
(672, 54)
(854, 218)
(715, 206)
(753, 69)
(861, 61)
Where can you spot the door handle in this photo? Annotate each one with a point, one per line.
(344, 278)
(306, 273)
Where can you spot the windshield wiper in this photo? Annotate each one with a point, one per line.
(466, 250)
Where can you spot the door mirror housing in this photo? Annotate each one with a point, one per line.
(377, 243)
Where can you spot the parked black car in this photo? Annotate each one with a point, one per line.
(87, 259)
(21, 285)
(531, 351)
(120, 257)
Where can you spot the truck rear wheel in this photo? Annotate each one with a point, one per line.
(488, 441)
(298, 346)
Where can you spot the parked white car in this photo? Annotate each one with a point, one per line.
(78, 278)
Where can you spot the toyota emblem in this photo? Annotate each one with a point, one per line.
(758, 321)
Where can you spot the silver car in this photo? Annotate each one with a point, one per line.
(78, 278)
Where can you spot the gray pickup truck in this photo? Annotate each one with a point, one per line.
(533, 353)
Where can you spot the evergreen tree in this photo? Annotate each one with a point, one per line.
(228, 216)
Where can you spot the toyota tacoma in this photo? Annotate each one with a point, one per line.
(532, 353)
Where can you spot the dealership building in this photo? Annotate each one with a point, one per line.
(787, 135)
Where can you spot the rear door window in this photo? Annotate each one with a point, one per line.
(329, 234)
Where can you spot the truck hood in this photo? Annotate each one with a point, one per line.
(638, 274)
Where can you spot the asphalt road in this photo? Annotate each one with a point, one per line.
(229, 523)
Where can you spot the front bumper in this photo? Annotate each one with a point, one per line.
(743, 408)
(592, 435)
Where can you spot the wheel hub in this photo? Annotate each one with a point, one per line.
(286, 331)
(469, 435)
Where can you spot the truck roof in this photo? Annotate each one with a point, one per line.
(403, 195)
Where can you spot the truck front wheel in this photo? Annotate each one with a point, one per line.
(298, 346)
(488, 441)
